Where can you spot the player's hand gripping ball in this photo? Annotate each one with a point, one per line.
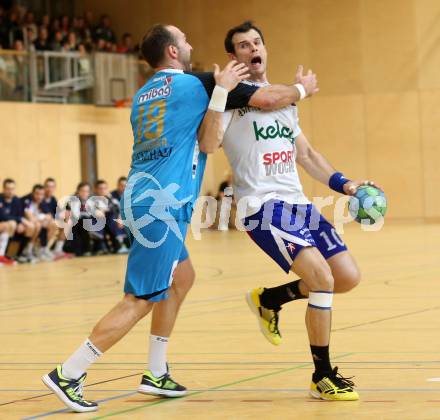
(367, 205)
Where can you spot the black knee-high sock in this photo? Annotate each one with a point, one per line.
(274, 297)
(321, 359)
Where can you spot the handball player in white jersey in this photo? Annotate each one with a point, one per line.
(263, 148)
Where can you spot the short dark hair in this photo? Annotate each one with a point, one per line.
(8, 181)
(49, 180)
(242, 28)
(154, 43)
(37, 187)
(122, 178)
(100, 182)
(81, 185)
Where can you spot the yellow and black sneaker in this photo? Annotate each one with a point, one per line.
(163, 386)
(69, 391)
(267, 318)
(334, 387)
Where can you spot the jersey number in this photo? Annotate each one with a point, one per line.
(154, 115)
(331, 245)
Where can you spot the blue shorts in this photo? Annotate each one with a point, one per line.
(281, 230)
(154, 254)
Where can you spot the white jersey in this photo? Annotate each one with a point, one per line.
(260, 146)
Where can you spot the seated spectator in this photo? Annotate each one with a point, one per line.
(7, 231)
(82, 33)
(126, 47)
(44, 222)
(101, 45)
(104, 31)
(13, 27)
(65, 25)
(113, 226)
(12, 209)
(49, 206)
(85, 65)
(22, 71)
(120, 187)
(55, 26)
(70, 43)
(30, 26)
(89, 23)
(86, 240)
(42, 42)
(57, 41)
(30, 36)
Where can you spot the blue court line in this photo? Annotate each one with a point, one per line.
(66, 410)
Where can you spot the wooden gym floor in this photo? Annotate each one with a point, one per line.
(386, 333)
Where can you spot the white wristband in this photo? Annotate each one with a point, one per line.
(218, 99)
(302, 91)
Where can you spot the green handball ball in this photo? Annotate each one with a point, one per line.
(368, 205)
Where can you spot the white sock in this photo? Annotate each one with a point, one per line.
(4, 238)
(28, 249)
(78, 362)
(59, 246)
(157, 357)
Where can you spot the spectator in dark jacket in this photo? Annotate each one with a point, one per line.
(12, 209)
(42, 42)
(104, 31)
(113, 226)
(120, 187)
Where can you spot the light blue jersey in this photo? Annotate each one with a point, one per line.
(166, 114)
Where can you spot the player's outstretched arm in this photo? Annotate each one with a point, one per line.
(316, 165)
(319, 168)
(278, 96)
(210, 134)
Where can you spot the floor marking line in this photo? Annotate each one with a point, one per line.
(51, 393)
(66, 410)
(115, 413)
(434, 308)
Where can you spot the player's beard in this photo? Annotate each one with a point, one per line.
(185, 59)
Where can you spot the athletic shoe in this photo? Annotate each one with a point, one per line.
(334, 387)
(7, 261)
(45, 255)
(27, 259)
(163, 386)
(69, 391)
(267, 318)
(123, 250)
